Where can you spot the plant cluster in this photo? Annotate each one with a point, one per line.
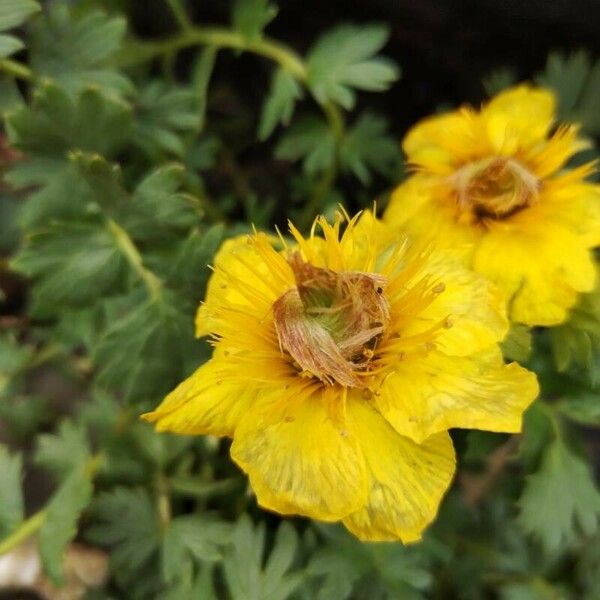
(123, 172)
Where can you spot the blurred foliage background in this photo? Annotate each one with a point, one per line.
(136, 137)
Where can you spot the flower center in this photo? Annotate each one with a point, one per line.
(330, 323)
(494, 188)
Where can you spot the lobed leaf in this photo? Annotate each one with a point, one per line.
(279, 105)
(75, 52)
(60, 525)
(343, 60)
(250, 17)
(560, 500)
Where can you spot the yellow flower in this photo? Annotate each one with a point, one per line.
(340, 362)
(492, 184)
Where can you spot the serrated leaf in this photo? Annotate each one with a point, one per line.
(576, 342)
(279, 105)
(71, 264)
(190, 266)
(560, 501)
(517, 343)
(60, 526)
(343, 60)
(250, 17)
(367, 147)
(64, 451)
(127, 523)
(54, 124)
(244, 575)
(197, 537)
(75, 52)
(312, 141)
(164, 115)
(15, 12)
(131, 353)
(65, 196)
(155, 209)
(12, 508)
(576, 81)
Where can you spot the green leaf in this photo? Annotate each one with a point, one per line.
(200, 80)
(12, 508)
(312, 141)
(156, 208)
(367, 147)
(54, 124)
(9, 45)
(250, 17)
(517, 344)
(10, 94)
(64, 451)
(279, 105)
(164, 115)
(65, 196)
(343, 59)
(71, 264)
(583, 409)
(131, 353)
(190, 267)
(342, 565)
(76, 52)
(560, 500)
(15, 12)
(499, 79)
(197, 537)
(60, 526)
(126, 522)
(246, 578)
(576, 342)
(14, 358)
(576, 81)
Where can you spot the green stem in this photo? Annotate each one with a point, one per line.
(34, 523)
(26, 530)
(134, 258)
(16, 69)
(163, 501)
(180, 14)
(286, 58)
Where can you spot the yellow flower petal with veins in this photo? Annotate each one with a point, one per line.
(492, 185)
(340, 360)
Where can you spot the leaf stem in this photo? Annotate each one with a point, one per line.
(16, 69)
(163, 501)
(26, 529)
(180, 14)
(35, 522)
(134, 258)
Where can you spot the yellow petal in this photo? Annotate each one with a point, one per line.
(441, 142)
(205, 403)
(420, 209)
(436, 392)
(242, 276)
(302, 461)
(540, 268)
(407, 480)
(518, 118)
(472, 308)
